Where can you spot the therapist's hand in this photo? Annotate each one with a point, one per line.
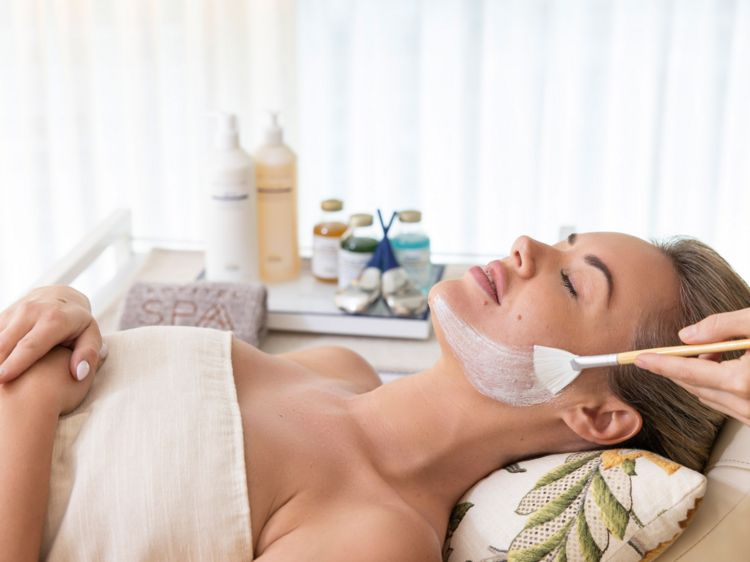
(44, 318)
(723, 386)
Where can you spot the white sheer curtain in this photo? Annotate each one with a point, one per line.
(102, 105)
(499, 118)
(493, 117)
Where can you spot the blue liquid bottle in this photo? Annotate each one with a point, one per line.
(412, 248)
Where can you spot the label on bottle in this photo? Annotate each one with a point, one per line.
(273, 185)
(351, 265)
(230, 193)
(416, 262)
(277, 222)
(231, 236)
(325, 258)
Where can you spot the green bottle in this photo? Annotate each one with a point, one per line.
(358, 245)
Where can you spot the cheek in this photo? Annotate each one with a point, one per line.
(530, 317)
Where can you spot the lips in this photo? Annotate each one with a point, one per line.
(484, 282)
(496, 270)
(491, 279)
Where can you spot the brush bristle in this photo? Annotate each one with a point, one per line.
(553, 369)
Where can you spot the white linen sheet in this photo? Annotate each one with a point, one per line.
(151, 467)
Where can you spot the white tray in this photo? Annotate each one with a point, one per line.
(305, 304)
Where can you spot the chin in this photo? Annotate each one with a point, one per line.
(446, 289)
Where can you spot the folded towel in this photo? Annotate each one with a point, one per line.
(240, 308)
(151, 466)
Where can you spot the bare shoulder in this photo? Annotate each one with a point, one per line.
(372, 534)
(330, 362)
(339, 363)
(244, 353)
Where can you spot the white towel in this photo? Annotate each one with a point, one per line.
(150, 467)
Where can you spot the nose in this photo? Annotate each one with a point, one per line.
(524, 255)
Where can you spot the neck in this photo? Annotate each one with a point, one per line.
(432, 436)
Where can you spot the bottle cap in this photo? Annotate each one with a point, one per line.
(410, 216)
(360, 219)
(225, 133)
(332, 205)
(274, 133)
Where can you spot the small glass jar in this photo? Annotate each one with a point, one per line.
(326, 240)
(411, 246)
(357, 247)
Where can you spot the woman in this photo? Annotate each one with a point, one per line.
(344, 468)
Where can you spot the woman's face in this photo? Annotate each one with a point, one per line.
(585, 295)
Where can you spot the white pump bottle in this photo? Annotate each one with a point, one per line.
(231, 216)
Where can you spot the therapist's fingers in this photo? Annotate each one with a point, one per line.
(695, 372)
(718, 327)
(733, 375)
(721, 400)
(726, 410)
(88, 352)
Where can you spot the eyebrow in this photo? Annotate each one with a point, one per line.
(599, 264)
(594, 261)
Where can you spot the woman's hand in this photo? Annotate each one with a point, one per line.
(723, 386)
(44, 318)
(47, 382)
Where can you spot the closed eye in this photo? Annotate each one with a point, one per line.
(567, 284)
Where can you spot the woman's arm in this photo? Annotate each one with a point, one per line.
(29, 408)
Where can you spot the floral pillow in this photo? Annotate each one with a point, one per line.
(614, 505)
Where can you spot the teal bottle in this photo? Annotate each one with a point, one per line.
(412, 248)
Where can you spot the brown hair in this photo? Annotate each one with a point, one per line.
(676, 424)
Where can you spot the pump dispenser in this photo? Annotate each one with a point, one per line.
(276, 185)
(274, 134)
(231, 217)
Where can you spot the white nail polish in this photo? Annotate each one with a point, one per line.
(82, 370)
(103, 351)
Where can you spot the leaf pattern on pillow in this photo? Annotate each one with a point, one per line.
(575, 508)
(457, 515)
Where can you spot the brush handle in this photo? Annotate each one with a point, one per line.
(685, 350)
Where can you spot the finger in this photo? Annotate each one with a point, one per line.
(728, 411)
(33, 346)
(695, 372)
(720, 400)
(12, 334)
(87, 348)
(718, 327)
(725, 399)
(711, 356)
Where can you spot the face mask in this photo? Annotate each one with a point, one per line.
(503, 373)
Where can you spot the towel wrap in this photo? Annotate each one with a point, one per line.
(151, 467)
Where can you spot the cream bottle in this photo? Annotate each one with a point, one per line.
(231, 230)
(276, 187)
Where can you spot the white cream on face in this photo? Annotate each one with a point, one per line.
(503, 373)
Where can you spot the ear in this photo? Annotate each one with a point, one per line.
(605, 422)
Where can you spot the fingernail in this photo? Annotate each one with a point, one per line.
(82, 370)
(640, 362)
(103, 351)
(688, 332)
